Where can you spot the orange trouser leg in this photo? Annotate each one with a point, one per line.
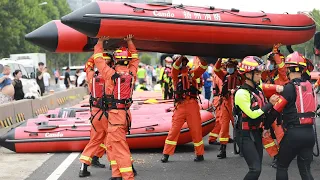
(278, 131)
(178, 119)
(100, 150)
(119, 148)
(214, 134)
(97, 137)
(193, 118)
(270, 145)
(226, 117)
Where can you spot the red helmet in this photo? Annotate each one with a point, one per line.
(250, 63)
(122, 54)
(296, 59)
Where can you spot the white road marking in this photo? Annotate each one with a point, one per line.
(63, 166)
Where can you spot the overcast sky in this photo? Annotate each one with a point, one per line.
(269, 6)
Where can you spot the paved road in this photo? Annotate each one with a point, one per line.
(147, 163)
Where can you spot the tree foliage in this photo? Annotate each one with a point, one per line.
(145, 58)
(307, 47)
(19, 17)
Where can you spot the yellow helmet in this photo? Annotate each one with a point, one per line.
(190, 64)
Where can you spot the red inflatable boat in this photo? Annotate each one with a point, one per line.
(190, 25)
(148, 131)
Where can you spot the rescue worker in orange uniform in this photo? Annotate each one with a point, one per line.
(214, 134)
(186, 107)
(230, 79)
(96, 148)
(251, 109)
(296, 105)
(275, 74)
(120, 83)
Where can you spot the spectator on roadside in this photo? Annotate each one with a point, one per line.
(77, 75)
(67, 80)
(17, 84)
(39, 76)
(6, 87)
(154, 74)
(149, 75)
(207, 84)
(56, 76)
(81, 81)
(141, 74)
(46, 79)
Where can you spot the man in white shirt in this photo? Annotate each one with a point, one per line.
(46, 79)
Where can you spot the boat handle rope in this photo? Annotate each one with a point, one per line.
(211, 8)
(32, 132)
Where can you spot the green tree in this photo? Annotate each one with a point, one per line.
(145, 58)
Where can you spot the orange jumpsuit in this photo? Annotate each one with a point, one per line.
(187, 110)
(214, 134)
(278, 77)
(226, 103)
(98, 133)
(117, 145)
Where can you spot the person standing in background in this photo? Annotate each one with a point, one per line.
(39, 76)
(141, 74)
(46, 79)
(56, 76)
(17, 84)
(149, 75)
(77, 75)
(67, 80)
(6, 87)
(207, 84)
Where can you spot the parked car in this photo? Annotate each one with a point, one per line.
(30, 86)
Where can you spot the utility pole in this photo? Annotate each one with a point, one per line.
(69, 59)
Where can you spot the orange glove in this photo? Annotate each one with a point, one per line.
(89, 64)
(276, 55)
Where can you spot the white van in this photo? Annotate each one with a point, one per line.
(30, 86)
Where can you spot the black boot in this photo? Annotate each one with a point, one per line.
(84, 170)
(274, 162)
(223, 153)
(134, 171)
(198, 158)
(95, 162)
(116, 178)
(165, 158)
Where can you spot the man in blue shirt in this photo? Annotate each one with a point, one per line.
(6, 87)
(207, 84)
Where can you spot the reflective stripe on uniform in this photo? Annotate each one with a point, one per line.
(171, 142)
(97, 55)
(103, 146)
(213, 134)
(86, 158)
(113, 162)
(269, 145)
(192, 75)
(127, 169)
(198, 144)
(281, 64)
(216, 70)
(224, 139)
(135, 56)
(203, 67)
(175, 66)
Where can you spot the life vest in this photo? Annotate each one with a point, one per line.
(257, 102)
(121, 97)
(167, 71)
(185, 87)
(305, 105)
(230, 82)
(97, 90)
